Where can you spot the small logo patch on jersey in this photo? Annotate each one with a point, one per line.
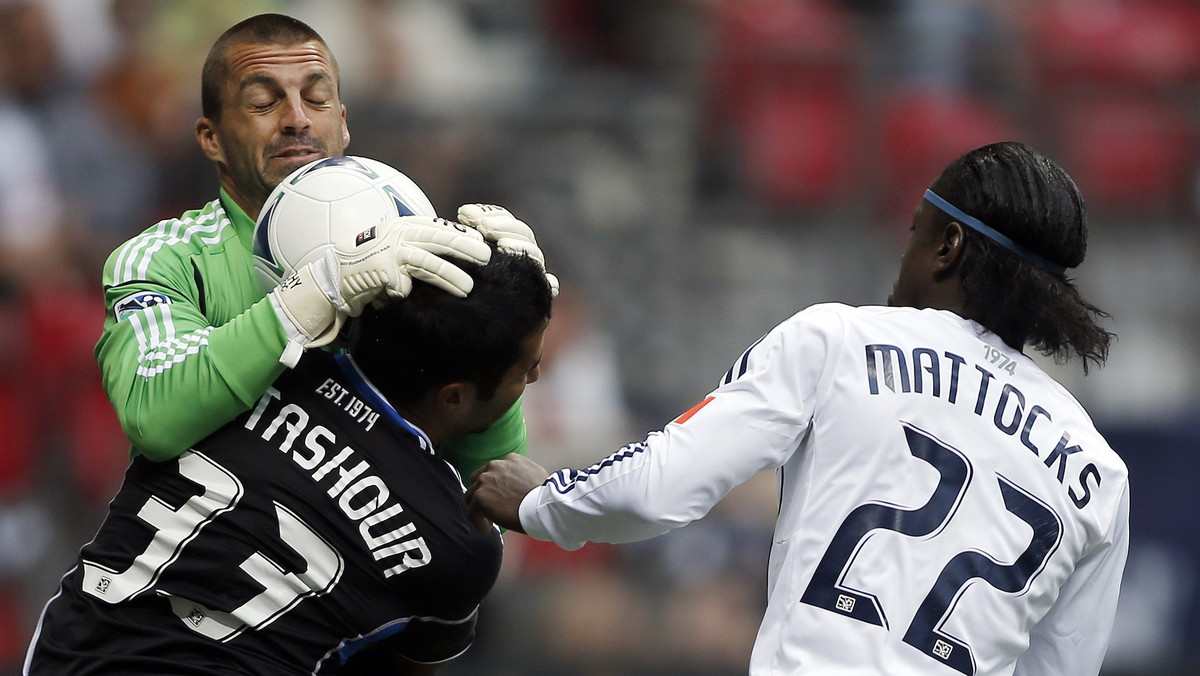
(137, 302)
(102, 584)
(196, 617)
(693, 411)
(942, 649)
(365, 236)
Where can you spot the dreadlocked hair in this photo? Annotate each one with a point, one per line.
(1030, 199)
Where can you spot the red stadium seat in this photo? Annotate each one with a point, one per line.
(1141, 43)
(99, 450)
(1128, 153)
(783, 78)
(923, 131)
(795, 146)
(760, 40)
(65, 321)
(19, 450)
(12, 629)
(1116, 82)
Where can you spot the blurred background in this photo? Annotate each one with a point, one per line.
(697, 170)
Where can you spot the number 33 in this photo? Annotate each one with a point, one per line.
(175, 528)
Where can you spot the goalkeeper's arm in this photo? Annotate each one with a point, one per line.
(174, 377)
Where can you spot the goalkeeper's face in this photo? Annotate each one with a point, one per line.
(280, 110)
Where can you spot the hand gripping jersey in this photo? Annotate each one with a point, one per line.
(945, 506)
(189, 341)
(313, 525)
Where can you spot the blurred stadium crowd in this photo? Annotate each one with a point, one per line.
(696, 170)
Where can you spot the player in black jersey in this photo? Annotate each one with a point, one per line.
(316, 533)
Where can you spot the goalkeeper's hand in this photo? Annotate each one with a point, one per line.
(498, 225)
(387, 257)
(382, 260)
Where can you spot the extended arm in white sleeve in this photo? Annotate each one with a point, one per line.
(672, 478)
(755, 420)
(1073, 637)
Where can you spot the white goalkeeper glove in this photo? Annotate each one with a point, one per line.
(388, 256)
(384, 259)
(498, 225)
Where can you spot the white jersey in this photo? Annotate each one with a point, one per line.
(945, 506)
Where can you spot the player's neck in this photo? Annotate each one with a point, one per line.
(936, 302)
(946, 294)
(247, 204)
(427, 423)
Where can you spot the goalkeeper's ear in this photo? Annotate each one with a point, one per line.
(209, 140)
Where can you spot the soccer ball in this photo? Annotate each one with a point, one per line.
(324, 202)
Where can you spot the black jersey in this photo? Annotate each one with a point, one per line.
(316, 524)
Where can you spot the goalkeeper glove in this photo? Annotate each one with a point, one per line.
(498, 225)
(384, 259)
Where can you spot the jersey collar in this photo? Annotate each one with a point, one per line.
(373, 396)
(243, 225)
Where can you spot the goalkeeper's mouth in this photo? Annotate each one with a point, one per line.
(305, 153)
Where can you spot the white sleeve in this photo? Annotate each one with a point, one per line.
(1073, 637)
(754, 421)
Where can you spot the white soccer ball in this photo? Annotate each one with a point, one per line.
(324, 202)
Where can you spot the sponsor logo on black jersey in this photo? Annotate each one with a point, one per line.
(142, 300)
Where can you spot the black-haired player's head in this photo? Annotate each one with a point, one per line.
(993, 240)
(455, 365)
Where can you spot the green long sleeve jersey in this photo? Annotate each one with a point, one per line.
(190, 341)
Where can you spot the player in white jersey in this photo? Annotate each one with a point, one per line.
(945, 506)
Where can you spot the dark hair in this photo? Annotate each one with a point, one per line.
(267, 29)
(431, 338)
(1024, 195)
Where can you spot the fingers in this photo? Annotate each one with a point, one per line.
(476, 474)
(485, 498)
(400, 288)
(480, 520)
(475, 510)
(439, 272)
(510, 234)
(425, 245)
(498, 488)
(497, 224)
(354, 305)
(442, 237)
(520, 246)
(485, 217)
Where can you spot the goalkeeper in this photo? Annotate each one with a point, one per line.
(189, 340)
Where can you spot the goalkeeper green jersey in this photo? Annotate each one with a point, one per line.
(190, 341)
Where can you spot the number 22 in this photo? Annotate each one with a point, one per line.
(826, 590)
